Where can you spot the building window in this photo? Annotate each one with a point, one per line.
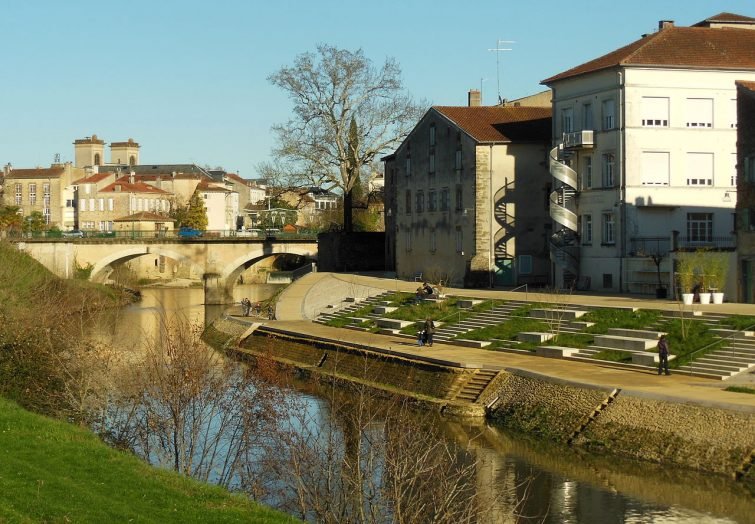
(607, 280)
(444, 199)
(102, 204)
(699, 169)
(408, 201)
(33, 194)
(46, 213)
(587, 121)
(654, 111)
(19, 194)
(46, 194)
(408, 241)
(655, 168)
(609, 114)
(83, 204)
(459, 197)
(109, 204)
(609, 228)
(457, 162)
(96, 159)
(432, 163)
(608, 168)
(699, 227)
(586, 229)
(432, 200)
(587, 173)
(419, 202)
(432, 135)
(567, 120)
(433, 244)
(408, 166)
(525, 264)
(132, 160)
(749, 169)
(699, 112)
(459, 240)
(91, 204)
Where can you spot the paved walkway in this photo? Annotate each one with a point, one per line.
(305, 298)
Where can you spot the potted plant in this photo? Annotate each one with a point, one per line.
(685, 274)
(717, 269)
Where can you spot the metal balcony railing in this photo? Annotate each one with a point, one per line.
(579, 139)
(721, 242)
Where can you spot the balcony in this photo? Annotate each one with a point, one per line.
(579, 139)
(722, 242)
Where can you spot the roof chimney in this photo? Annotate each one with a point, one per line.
(664, 24)
(474, 98)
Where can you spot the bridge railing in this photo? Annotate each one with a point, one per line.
(218, 234)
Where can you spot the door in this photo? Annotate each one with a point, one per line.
(504, 272)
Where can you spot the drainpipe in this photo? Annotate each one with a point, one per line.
(491, 271)
(623, 183)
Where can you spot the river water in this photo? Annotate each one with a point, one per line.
(562, 485)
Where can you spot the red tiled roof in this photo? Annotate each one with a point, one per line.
(500, 124)
(726, 17)
(124, 186)
(237, 178)
(697, 47)
(208, 186)
(37, 172)
(92, 179)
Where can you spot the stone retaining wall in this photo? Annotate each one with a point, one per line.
(706, 439)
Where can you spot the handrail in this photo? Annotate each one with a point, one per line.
(526, 290)
(721, 339)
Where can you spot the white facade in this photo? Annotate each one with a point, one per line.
(658, 171)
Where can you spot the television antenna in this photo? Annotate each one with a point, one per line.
(57, 158)
(498, 50)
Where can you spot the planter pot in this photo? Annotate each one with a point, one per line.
(705, 298)
(718, 298)
(687, 298)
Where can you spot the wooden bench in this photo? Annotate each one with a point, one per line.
(418, 276)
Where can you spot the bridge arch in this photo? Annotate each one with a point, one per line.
(230, 272)
(103, 267)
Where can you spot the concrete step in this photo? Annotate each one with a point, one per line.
(636, 333)
(624, 343)
(716, 364)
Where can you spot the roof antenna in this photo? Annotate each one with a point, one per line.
(498, 49)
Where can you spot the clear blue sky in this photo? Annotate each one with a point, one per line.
(187, 79)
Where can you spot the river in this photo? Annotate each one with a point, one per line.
(557, 484)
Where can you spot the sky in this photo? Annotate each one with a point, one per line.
(188, 79)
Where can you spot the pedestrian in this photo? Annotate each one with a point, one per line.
(270, 312)
(429, 331)
(257, 308)
(421, 337)
(245, 305)
(663, 355)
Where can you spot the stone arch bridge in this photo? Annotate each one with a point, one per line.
(219, 262)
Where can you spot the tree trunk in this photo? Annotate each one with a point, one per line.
(348, 223)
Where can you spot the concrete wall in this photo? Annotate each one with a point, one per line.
(339, 252)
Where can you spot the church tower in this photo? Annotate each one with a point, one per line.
(89, 151)
(124, 152)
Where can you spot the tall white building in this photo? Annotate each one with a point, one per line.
(644, 157)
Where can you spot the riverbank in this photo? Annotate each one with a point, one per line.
(676, 420)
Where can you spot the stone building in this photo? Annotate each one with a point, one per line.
(466, 197)
(644, 154)
(47, 190)
(746, 190)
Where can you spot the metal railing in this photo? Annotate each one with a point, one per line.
(190, 236)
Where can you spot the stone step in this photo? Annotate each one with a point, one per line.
(392, 323)
(743, 361)
(556, 351)
(624, 343)
(704, 370)
(636, 333)
(557, 314)
(733, 334)
(534, 337)
(716, 364)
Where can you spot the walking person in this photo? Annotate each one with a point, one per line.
(270, 312)
(663, 355)
(421, 337)
(429, 331)
(245, 305)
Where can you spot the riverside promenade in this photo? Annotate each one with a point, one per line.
(304, 299)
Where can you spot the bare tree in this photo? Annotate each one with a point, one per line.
(346, 114)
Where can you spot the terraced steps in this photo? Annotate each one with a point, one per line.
(475, 385)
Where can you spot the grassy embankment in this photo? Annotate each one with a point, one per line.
(52, 471)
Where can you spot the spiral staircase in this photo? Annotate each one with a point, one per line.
(564, 245)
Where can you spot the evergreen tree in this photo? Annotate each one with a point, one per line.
(196, 213)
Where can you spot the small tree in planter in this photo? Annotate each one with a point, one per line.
(716, 271)
(685, 275)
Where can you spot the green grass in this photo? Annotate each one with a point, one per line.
(507, 330)
(738, 322)
(52, 471)
(612, 355)
(741, 389)
(605, 318)
(693, 341)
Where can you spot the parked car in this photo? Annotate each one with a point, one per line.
(189, 232)
(74, 233)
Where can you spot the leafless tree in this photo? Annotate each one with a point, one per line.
(346, 114)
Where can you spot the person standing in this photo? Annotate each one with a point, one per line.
(429, 331)
(663, 354)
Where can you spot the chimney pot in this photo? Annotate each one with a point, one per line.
(663, 24)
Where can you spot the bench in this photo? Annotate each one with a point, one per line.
(418, 276)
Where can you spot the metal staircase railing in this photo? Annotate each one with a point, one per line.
(563, 242)
(506, 223)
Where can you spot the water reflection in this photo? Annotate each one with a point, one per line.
(523, 480)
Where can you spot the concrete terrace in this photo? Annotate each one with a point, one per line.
(308, 297)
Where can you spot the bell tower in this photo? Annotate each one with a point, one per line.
(124, 152)
(89, 151)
